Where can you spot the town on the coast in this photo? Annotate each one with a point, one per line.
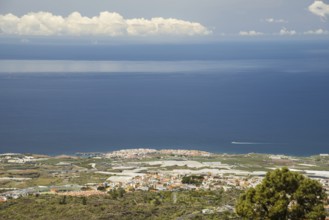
(85, 174)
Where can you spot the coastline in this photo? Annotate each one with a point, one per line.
(159, 150)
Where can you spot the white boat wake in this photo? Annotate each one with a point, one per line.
(248, 143)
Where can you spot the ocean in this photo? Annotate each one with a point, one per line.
(228, 97)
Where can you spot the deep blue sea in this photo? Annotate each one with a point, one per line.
(229, 97)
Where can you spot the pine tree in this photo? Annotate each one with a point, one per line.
(283, 195)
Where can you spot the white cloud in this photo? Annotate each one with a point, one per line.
(105, 24)
(250, 33)
(319, 8)
(316, 32)
(285, 31)
(272, 20)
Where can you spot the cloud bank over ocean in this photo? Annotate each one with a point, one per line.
(105, 24)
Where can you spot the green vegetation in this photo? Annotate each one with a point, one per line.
(194, 179)
(136, 205)
(117, 193)
(283, 195)
(87, 177)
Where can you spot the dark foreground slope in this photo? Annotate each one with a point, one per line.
(136, 205)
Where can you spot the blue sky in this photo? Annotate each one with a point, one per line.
(159, 19)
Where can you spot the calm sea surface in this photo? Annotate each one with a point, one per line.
(229, 97)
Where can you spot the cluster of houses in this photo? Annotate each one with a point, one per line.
(17, 158)
(149, 181)
(17, 193)
(173, 182)
(146, 152)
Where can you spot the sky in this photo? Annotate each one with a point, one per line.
(165, 19)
